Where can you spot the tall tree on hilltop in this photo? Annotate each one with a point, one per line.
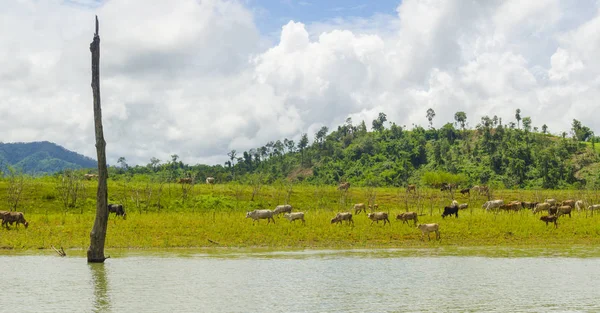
(461, 118)
(302, 146)
(378, 122)
(518, 117)
(430, 115)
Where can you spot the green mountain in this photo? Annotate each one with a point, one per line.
(37, 158)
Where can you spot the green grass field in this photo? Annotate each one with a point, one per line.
(214, 216)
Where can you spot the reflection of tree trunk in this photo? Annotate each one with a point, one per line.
(101, 298)
(95, 252)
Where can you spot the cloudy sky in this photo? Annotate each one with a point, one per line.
(199, 78)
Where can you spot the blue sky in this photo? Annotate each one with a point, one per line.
(271, 15)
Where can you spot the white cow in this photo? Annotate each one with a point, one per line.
(261, 214)
(284, 208)
(493, 204)
(295, 216)
(428, 228)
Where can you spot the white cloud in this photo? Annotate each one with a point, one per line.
(195, 78)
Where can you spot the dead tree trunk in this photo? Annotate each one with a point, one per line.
(95, 253)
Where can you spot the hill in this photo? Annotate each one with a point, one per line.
(38, 158)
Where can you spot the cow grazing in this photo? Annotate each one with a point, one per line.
(257, 215)
(579, 205)
(90, 176)
(449, 187)
(544, 206)
(284, 208)
(550, 219)
(513, 206)
(210, 180)
(428, 228)
(13, 217)
(373, 207)
(454, 203)
(465, 191)
(359, 207)
(117, 209)
(295, 216)
(463, 206)
(570, 203)
(185, 180)
(345, 216)
(528, 205)
(551, 201)
(594, 207)
(410, 188)
(408, 216)
(564, 210)
(379, 216)
(449, 210)
(344, 186)
(492, 204)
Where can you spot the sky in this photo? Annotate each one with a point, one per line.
(199, 78)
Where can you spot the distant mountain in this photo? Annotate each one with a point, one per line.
(38, 158)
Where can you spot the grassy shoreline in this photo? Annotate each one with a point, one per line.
(214, 217)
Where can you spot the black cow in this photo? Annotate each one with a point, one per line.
(466, 191)
(117, 209)
(449, 210)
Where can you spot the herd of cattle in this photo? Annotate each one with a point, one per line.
(554, 209)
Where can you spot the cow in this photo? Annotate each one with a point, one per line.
(492, 204)
(449, 187)
(564, 209)
(210, 180)
(185, 180)
(544, 206)
(117, 209)
(345, 216)
(407, 216)
(465, 191)
(13, 217)
(528, 205)
(551, 201)
(428, 228)
(570, 203)
(512, 206)
(550, 219)
(463, 206)
(373, 207)
(579, 205)
(449, 210)
(90, 176)
(257, 215)
(454, 203)
(284, 208)
(594, 207)
(475, 188)
(483, 189)
(295, 216)
(359, 207)
(344, 186)
(410, 188)
(379, 216)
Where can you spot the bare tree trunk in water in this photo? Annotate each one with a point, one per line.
(95, 253)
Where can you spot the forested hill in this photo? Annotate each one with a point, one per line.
(38, 158)
(505, 155)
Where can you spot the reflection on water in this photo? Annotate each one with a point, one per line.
(101, 298)
(300, 281)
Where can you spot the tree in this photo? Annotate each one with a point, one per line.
(289, 144)
(95, 253)
(321, 135)
(302, 146)
(544, 129)
(15, 188)
(461, 118)
(378, 122)
(123, 162)
(153, 164)
(232, 154)
(430, 115)
(70, 189)
(527, 124)
(518, 117)
(580, 132)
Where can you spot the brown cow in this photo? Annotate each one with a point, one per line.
(407, 216)
(13, 217)
(550, 219)
(410, 188)
(344, 186)
(345, 216)
(359, 207)
(565, 209)
(185, 180)
(379, 216)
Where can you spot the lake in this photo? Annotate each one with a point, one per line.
(391, 280)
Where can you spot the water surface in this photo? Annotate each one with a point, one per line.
(394, 280)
